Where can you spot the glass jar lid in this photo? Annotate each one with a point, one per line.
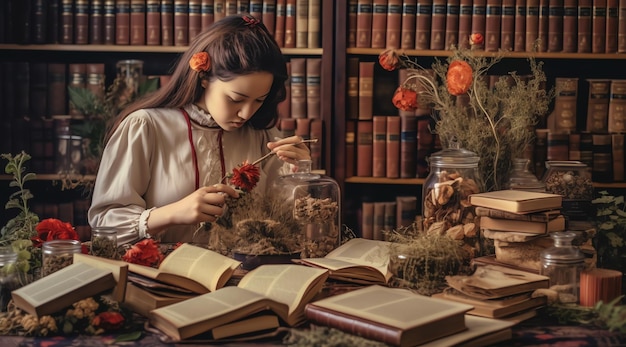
(454, 157)
(563, 251)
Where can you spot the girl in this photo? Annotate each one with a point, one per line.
(166, 154)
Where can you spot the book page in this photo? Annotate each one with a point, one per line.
(118, 268)
(207, 267)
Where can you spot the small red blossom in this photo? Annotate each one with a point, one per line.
(246, 176)
(145, 252)
(53, 229)
(389, 59)
(200, 61)
(108, 320)
(476, 39)
(459, 77)
(405, 99)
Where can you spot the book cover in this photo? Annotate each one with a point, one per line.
(493, 25)
(288, 127)
(207, 13)
(555, 26)
(452, 24)
(465, 23)
(153, 22)
(303, 128)
(598, 26)
(557, 146)
(409, 12)
(256, 9)
(479, 20)
(392, 148)
(598, 105)
(367, 220)
(138, 22)
(181, 22)
(317, 132)
(143, 301)
(570, 26)
(544, 25)
(621, 26)
(67, 22)
(565, 104)
(494, 308)
(81, 22)
(313, 82)
(602, 170)
(531, 227)
(194, 17)
(389, 223)
(519, 43)
(612, 19)
(366, 90)
(350, 167)
(585, 9)
(109, 22)
(352, 19)
(268, 14)
(379, 220)
(586, 148)
(379, 146)
(279, 31)
(406, 210)
(438, 25)
(389, 317)
(507, 29)
(302, 23)
(423, 24)
(542, 216)
(364, 148)
(394, 24)
(219, 9)
(122, 22)
(167, 22)
(298, 87)
(532, 25)
(96, 22)
(408, 146)
(52, 29)
(364, 23)
(617, 107)
(379, 23)
(617, 153)
(518, 201)
(352, 103)
(574, 146)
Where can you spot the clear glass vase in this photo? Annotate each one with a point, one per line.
(563, 264)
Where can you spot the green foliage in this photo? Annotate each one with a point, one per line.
(610, 222)
(611, 316)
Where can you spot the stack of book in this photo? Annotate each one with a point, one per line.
(519, 223)
(497, 292)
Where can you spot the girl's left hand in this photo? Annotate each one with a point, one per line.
(290, 149)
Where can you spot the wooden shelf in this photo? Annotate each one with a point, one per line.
(54, 177)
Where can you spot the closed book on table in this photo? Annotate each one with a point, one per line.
(543, 216)
(518, 201)
(392, 155)
(519, 43)
(394, 24)
(364, 24)
(585, 9)
(531, 227)
(598, 105)
(494, 308)
(452, 24)
(423, 22)
(379, 23)
(409, 10)
(364, 148)
(379, 146)
(493, 25)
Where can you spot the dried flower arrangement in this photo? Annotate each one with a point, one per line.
(495, 122)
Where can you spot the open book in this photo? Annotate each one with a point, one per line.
(358, 260)
(283, 289)
(191, 267)
(62, 288)
(118, 268)
(394, 316)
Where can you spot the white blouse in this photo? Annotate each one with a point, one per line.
(148, 163)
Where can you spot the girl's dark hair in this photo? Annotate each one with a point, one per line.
(237, 45)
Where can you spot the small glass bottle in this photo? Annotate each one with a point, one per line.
(316, 203)
(57, 254)
(563, 264)
(522, 179)
(8, 276)
(104, 242)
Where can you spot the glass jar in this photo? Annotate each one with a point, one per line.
(316, 203)
(8, 276)
(131, 71)
(522, 179)
(104, 242)
(572, 180)
(57, 254)
(563, 264)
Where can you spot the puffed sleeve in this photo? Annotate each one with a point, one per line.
(123, 177)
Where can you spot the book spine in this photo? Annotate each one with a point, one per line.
(379, 143)
(409, 12)
(544, 25)
(612, 19)
(617, 153)
(350, 148)
(364, 23)
(207, 14)
(366, 90)
(406, 211)
(67, 22)
(77, 79)
(598, 105)
(364, 148)
(519, 43)
(230, 7)
(313, 82)
(290, 24)
(96, 22)
(392, 148)
(367, 220)
(167, 22)
(181, 22)
(353, 9)
(38, 90)
(268, 15)
(408, 146)
(532, 25)
(465, 23)
(394, 24)
(95, 79)
(574, 146)
(598, 26)
(195, 18)
(479, 20)
(493, 25)
(617, 107)
(302, 23)
(557, 146)
(303, 128)
(452, 24)
(122, 22)
(507, 29)
(379, 23)
(40, 21)
(279, 31)
(555, 26)
(438, 25)
(317, 132)
(585, 9)
(298, 88)
(586, 148)
(389, 223)
(138, 22)
(602, 170)
(53, 29)
(425, 146)
(284, 107)
(256, 9)
(109, 22)
(540, 152)
(288, 127)
(81, 22)
(423, 24)
(219, 8)
(379, 220)
(565, 103)
(570, 29)
(153, 22)
(57, 89)
(621, 27)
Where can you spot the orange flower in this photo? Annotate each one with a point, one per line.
(145, 252)
(245, 177)
(405, 99)
(108, 320)
(389, 59)
(476, 39)
(200, 62)
(459, 77)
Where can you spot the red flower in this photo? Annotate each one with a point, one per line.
(459, 77)
(389, 59)
(476, 39)
(108, 320)
(405, 99)
(54, 229)
(200, 62)
(145, 252)
(245, 177)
